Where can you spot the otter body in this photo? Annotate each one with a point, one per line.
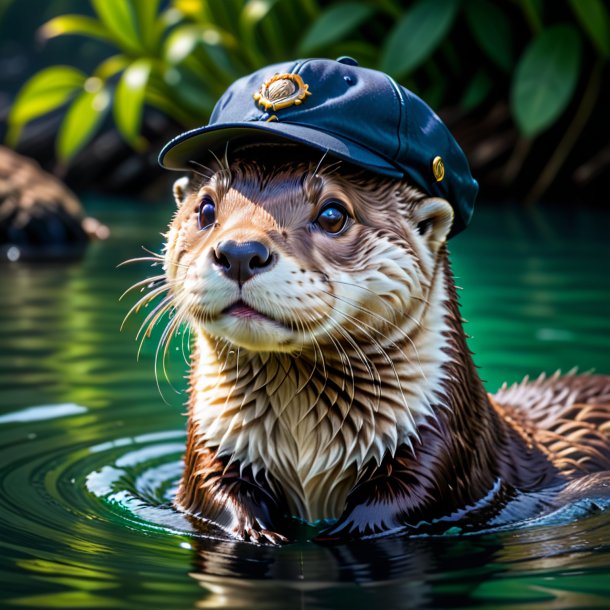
(330, 374)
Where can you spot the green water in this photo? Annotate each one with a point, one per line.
(90, 452)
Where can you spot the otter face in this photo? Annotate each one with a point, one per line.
(286, 257)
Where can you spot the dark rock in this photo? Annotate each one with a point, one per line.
(39, 217)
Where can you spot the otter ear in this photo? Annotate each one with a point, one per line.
(433, 218)
(181, 187)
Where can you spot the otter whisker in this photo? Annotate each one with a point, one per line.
(303, 328)
(392, 309)
(387, 357)
(315, 171)
(149, 282)
(186, 337)
(181, 316)
(168, 307)
(166, 337)
(372, 370)
(332, 168)
(153, 316)
(143, 302)
(345, 361)
(155, 258)
(372, 313)
(352, 377)
(379, 297)
(307, 330)
(164, 341)
(226, 348)
(398, 381)
(196, 164)
(224, 162)
(142, 259)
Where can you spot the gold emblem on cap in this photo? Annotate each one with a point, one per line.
(438, 168)
(281, 91)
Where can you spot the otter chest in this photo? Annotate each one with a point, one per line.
(303, 444)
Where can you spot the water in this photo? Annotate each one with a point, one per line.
(90, 452)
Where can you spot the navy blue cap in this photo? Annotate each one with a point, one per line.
(356, 114)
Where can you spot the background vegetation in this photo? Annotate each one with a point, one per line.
(521, 82)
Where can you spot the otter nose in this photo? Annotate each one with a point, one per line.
(241, 261)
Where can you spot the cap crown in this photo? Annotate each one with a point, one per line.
(358, 114)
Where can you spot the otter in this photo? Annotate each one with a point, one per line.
(331, 378)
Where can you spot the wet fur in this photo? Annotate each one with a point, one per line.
(363, 403)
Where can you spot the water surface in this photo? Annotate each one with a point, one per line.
(90, 447)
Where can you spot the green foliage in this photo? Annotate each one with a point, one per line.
(179, 56)
(46, 91)
(545, 78)
(416, 35)
(82, 118)
(491, 29)
(333, 25)
(129, 100)
(593, 16)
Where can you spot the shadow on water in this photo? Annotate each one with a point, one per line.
(90, 453)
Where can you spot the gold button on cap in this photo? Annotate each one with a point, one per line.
(438, 168)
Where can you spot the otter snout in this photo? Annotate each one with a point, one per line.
(241, 261)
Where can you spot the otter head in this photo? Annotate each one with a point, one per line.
(279, 253)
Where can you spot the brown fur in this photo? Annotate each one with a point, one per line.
(384, 461)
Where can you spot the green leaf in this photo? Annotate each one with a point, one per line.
(251, 17)
(83, 117)
(45, 91)
(181, 43)
(129, 101)
(477, 91)
(188, 93)
(206, 53)
(158, 99)
(593, 17)
(417, 35)
(120, 18)
(75, 24)
(111, 66)
(147, 12)
(546, 78)
(333, 24)
(491, 29)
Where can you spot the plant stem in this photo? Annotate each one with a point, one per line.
(516, 160)
(570, 136)
(531, 15)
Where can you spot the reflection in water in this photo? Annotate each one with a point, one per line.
(86, 479)
(502, 569)
(381, 573)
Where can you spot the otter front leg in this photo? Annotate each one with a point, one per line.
(373, 508)
(393, 497)
(234, 501)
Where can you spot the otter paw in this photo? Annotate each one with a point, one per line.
(365, 521)
(257, 535)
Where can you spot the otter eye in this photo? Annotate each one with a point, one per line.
(207, 212)
(332, 218)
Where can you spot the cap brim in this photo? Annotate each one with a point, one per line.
(195, 145)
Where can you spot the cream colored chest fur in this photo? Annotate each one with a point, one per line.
(311, 427)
